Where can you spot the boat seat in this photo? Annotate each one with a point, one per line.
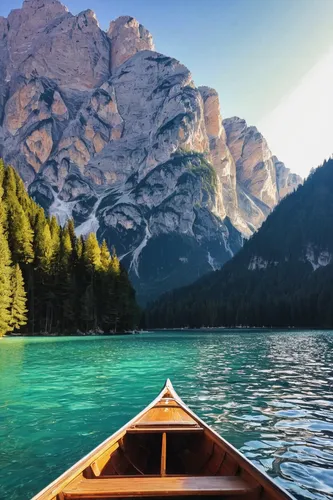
(157, 487)
(156, 429)
(165, 426)
(170, 423)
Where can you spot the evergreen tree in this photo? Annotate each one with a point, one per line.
(5, 284)
(19, 300)
(79, 247)
(43, 243)
(5, 268)
(66, 248)
(115, 264)
(105, 256)
(55, 239)
(92, 252)
(71, 230)
(20, 234)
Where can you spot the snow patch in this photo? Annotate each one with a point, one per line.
(226, 245)
(317, 260)
(257, 263)
(212, 262)
(61, 209)
(137, 251)
(123, 256)
(91, 225)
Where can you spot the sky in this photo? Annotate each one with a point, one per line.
(271, 61)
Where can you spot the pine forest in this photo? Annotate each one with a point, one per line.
(52, 281)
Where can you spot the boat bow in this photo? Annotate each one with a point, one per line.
(166, 450)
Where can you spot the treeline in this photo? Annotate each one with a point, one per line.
(51, 280)
(282, 277)
(290, 295)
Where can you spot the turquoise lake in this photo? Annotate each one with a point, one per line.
(269, 393)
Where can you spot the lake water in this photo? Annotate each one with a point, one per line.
(268, 393)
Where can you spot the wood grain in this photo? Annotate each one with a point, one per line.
(157, 486)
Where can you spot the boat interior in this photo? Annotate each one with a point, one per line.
(166, 451)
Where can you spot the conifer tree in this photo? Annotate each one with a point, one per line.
(105, 256)
(5, 283)
(9, 182)
(92, 252)
(43, 247)
(115, 264)
(66, 248)
(79, 247)
(21, 234)
(55, 239)
(25, 201)
(5, 268)
(19, 301)
(71, 230)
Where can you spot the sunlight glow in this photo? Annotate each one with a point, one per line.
(300, 129)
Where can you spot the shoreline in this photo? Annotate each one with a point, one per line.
(44, 335)
(161, 330)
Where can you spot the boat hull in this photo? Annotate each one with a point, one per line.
(165, 451)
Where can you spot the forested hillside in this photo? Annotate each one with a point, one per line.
(50, 280)
(282, 277)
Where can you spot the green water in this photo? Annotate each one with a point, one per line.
(269, 394)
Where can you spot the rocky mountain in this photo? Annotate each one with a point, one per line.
(281, 277)
(103, 128)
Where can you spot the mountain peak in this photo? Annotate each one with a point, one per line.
(88, 15)
(127, 37)
(211, 110)
(52, 5)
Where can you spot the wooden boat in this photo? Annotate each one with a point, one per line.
(165, 451)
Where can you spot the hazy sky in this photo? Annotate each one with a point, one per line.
(269, 60)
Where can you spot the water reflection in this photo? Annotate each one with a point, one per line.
(269, 394)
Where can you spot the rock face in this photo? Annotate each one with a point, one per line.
(262, 181)
(127, 38)
(222, 159)
(103, 128)
(286, 181)
(44, 39)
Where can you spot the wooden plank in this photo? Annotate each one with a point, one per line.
(98, 465)
(168, 414)
(166, 422)
(167, 406)
(157, 486)
(143, 430)
(163, 454)
(230, 466)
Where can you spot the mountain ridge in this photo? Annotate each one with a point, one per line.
(281, 277)
(103, 128)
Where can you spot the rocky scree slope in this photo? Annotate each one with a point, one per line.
(103, 128)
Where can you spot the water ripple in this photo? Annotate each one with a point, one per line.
(268, 393)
